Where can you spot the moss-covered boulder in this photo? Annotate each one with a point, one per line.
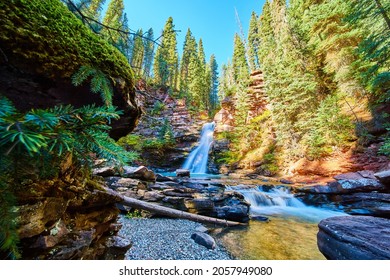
(42, 44)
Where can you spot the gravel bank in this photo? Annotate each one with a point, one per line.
(166, 239)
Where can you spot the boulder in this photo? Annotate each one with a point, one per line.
(116, 248)
(373, 204)
(345, 186)
(141, 173)
(238, 213)
(354, 238)
(200, 206)
(161, 178)
(204, 239)
(182, 173)
(42, 57)
(121, 184)
(356, 175)
(383, 177)
(153, 196)
(360, 185)
(104, 171)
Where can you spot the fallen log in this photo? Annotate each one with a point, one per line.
(169, 212)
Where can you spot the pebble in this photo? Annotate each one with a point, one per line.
(166, 239)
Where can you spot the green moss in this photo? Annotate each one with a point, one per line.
(55, 42)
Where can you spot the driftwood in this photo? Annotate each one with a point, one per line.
(166, 211)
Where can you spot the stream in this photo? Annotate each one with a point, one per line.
(281, 227)
(290, 233)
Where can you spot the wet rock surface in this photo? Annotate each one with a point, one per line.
(354, 238)
(199, 196)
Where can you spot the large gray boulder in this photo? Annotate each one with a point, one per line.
(354, 238)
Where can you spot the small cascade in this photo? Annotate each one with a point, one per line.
(198, 158)
(280, 202)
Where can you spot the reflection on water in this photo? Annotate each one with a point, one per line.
(291, 233)
(279, 239)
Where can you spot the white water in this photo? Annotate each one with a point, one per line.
(280, 202)
(198, 158)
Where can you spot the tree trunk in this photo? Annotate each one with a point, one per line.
(166, 211)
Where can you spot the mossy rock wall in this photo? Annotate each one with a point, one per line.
(42, 44)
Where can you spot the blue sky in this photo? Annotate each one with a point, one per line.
(212, 20)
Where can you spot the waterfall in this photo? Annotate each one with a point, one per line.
(280, 202)
(197, 159)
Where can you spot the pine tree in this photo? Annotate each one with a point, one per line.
(148, 52)
(189, 52)
(137, 58)
(291, 89)
(226, 81)
(374, 18)
(114, 18)
(167, 58)
(253, 43)
(240, 64)
(95, 8)
(213, 95)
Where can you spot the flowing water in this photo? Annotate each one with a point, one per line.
(198, 158)
(291, 230)
(290, 233)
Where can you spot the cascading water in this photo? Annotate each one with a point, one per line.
(198, 158)
(280, 202)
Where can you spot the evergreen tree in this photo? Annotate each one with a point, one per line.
(114, 18)
(213, 95)
(226, 81)
(148, 52)
(95, 8)
(167, 57)
(189, 54)
(374, 50)
(240, 64)
(253, 43)
(137, 58)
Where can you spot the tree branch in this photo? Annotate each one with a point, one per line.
(88, 20)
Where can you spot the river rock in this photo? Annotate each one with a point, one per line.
(200, 205)
(360, 185)
(204, 239)
(373, 204)
(384, 177)
(344, 186)
(182, 173)
(161, 178)
(153, 196)
(104, 171)
(238, 213)
(119, 183)
(116, 247)
(141, 173)
(354, 238)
